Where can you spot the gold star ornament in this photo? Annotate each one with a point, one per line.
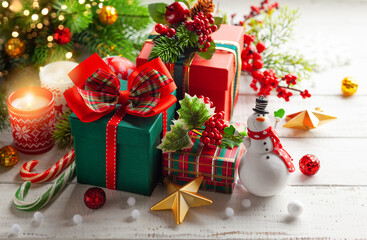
(180, 199)
(308, 119)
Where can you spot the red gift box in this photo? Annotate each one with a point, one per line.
(217, 78)
(218, 166)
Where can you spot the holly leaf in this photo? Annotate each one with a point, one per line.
(194, 112)
(157, 12)
(229, 130)
(231, 137)
(209, 53)
(279, 113)
(176, 139)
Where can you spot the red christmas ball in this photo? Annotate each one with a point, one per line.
(177, 12)
(309, 164)
(121, 66)
(62, 36)
(94, 198)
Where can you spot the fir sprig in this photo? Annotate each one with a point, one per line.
(4, 118)
(275, 29)
(62, 133)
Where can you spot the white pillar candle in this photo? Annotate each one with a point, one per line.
(30, 102)
(54, 77)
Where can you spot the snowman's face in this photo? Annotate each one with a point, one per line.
(258, 122)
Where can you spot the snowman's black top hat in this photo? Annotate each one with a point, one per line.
(261, 104)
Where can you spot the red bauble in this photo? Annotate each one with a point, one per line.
(121, 66)
(62, 36)
(309, 164)
(94, 198)
(177, 12)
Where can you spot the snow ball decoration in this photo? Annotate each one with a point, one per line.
(295, 208)
(229, 212)
(131, 201)
(37, 217)
(16, 229)
(135, 214)
(246, 203)
(77, 219)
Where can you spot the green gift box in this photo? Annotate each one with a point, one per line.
(138, 161)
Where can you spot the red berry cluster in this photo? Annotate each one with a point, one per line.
(203, 26)
(264, 6)
(305, 94)
(163, 29)
(214, 128)
(207, 100)
(251, 58)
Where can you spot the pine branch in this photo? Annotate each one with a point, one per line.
(4, 118)
(62, 133)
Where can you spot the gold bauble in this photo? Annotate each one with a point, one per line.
(15, 47)
(349, 86)
(8, 156)
(108, 15)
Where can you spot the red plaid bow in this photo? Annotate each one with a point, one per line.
(97, 91)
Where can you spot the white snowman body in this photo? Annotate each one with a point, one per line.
(262, 172)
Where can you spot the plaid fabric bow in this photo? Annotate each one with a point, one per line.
(97, 90)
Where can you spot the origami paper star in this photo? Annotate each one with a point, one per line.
(180, 199)
(307, 119)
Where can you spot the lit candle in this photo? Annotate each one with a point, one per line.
(54, 77)
(32, 119)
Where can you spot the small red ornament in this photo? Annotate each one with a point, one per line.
(177, 12)
(309, 164)
(62, 36)
(94, 198)
(121, 66)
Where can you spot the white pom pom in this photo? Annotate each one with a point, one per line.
(16, 229)
(77, 219)
(37, 217)
(135, 214)
(295, 208)
(131, 201)
(229, 212)
(246, 203)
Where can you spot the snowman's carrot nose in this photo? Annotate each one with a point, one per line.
(260, 119)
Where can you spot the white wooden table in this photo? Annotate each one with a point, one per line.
(335, 199)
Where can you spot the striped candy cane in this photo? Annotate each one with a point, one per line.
(42, 201)
(27, 175)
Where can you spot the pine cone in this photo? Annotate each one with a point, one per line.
(205, 6)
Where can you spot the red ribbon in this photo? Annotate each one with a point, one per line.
(86, 69)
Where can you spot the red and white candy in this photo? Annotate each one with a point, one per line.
(64, 162)
(121, 66)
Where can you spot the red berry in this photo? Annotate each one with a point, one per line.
(171, 32)
(158, 28)
(177, 12)
(218, 142)
(257, 74)
(204, 134)
(214, 28)
(212, 124)
(211, 20)
(309, 164)
(209, 15)
(211, 104)
(200, 96)
(206, 141)
(205, 49)
(211, 135)
(207, 44)
(260, 46)
(210, 39)
(164, 29)
(256, 56)
(258, 64)
(212, 141)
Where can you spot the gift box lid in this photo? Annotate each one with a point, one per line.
(135, 129)
(219, 67)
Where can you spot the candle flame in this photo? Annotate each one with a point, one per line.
(29, 98)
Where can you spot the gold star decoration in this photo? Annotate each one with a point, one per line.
(180, 199)
(307, 119)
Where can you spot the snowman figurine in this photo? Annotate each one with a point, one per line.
(266, 166)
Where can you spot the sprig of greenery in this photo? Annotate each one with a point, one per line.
(62, 133)
(275, 29)
(4, 117)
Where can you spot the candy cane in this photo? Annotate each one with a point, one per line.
(42, 201)
(27, 175)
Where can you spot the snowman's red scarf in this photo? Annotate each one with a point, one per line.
(277, 146)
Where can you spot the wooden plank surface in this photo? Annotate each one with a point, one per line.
(334, 199)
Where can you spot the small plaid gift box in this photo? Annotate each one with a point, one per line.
(218, 165)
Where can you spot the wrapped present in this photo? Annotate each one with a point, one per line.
(217, 78)
(217, 165)
(116, 132)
